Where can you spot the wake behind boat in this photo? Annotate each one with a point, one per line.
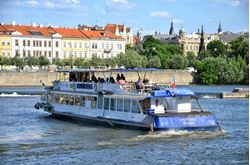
(79, 95)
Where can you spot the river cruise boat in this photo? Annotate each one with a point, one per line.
(95, 96)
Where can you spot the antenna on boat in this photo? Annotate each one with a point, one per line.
(41, 81)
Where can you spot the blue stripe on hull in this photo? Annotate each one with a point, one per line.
(192, 122)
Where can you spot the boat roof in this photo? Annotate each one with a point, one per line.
(109, 70)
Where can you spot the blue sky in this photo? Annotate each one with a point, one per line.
(150, 15)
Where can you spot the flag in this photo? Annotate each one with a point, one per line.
(173, 84)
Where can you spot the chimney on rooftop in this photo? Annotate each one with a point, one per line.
(34, 24)
(1, 23)
(19, 24)
(41, 25)
(13, 23)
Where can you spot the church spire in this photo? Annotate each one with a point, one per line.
(219, 29)
(171, 31)
(201, 53)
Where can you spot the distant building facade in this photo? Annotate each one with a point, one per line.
(54, 42)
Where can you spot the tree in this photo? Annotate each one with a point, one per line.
(191, 59)
(58, 62)
(4, 61)
(96, 61)
(79, 62)
(18, 62)
(43, 61)
(217, 49)
(31, 61)
(178, 62)
(154, 62)
(239, 47)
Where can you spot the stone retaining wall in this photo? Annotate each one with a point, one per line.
(33, 78)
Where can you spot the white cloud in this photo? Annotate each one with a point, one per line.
(162, 14)
(120, 4)
(32, 3)
(233, 3)
(73, 1)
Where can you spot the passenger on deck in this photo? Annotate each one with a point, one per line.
(122, 82)
(118, 77)
(112, 80)
(123, 77)
(93, 78)
(139, 84)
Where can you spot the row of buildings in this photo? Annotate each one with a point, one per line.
(191, 42)
(87, 41)
(53, 42)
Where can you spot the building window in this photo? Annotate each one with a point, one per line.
(16, 43)
(64, 44)
(40, 43)
(45, 44)
(16, 53)
(107, 46)
(85, 54)
(94, 45)
(57, 54)
(102, 45)
(64, 54)
(24, 43)
(28, 53)
(49, 43)
(28, 43)
(8, 43)
(34, 43)
(57, 44)
(3, 53)
(3, 43)
(24, 53)
(112, 46)
(85, 45)
(80, 54)
(45, 53)
(8, 54)
(80, 45)
(75, 44)
(49, 53)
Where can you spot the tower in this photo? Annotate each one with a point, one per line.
(219, 29)
(171, 31)
(201, 53)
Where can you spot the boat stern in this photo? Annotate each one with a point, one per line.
(203, 121)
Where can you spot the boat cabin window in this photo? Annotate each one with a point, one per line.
(61, 101)
(135, 107)
(62, 76)
(112, 104)
(77, 100)
(127, 104)
(106, 103)
(71, 100)
(119, 104)
(66, 99)
(145, 104)
(93, 102)
(82, 101)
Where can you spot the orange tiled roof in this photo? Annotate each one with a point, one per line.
(25, 30)
(111, 28)
(70, 33)
(100, 34)
(65, 32)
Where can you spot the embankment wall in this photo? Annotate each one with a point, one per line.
(33, 78)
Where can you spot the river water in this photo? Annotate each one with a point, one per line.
(30, 136)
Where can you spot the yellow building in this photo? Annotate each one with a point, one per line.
(5, 45)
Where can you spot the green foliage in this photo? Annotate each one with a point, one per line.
(31, 61)
(5, 61)
(191, 59)
(43, 61)
(154, 62)
(217, 49)
(18, 62)
(96, 61)
(58, 62)
(178, 62)
(239, 47)
(79, 62)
